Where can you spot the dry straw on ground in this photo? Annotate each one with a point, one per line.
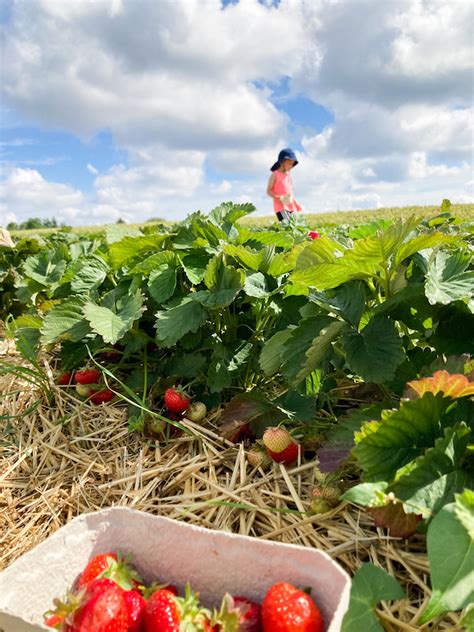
(65, 459)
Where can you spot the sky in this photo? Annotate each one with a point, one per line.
(139, 109)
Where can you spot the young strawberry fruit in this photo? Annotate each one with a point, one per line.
(288, 609)
(101, 397)
(280, 445)
(257, 456)
(65, 379)
(87, 376)
(83, 390)
(104, 609)
(196, 411)
(136, 605)
(176, 401)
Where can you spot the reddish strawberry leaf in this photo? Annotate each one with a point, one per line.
(453, 386)
(394, 518)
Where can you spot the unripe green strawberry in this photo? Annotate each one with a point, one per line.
(196, 411)
(277, 439)
(329, 493)
(257, 456)
(319, 506)
(83, 390)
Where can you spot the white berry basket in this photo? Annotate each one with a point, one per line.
(213, 562)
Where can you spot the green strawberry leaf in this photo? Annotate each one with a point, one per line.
(318, 349)
(174, 322)
(375, 352)
(450, 543)
(47, 267)
(246, 256)
(271, 356)
(65, 322)
(433, 478)
(256, 285)
(131, 249)
(194, 265)
(87, 274)
(112, 325)
(370, 585)
(448, 278)
(162, 283)
(383, 447)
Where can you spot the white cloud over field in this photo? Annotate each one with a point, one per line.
(186, 89)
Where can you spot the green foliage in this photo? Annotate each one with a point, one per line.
(451, 554)
(370, 585)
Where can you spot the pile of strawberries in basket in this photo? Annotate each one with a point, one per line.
(109, 596)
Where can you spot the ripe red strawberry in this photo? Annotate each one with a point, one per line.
(104, 609)
(288, 609)
(280, 445)
(112, 567)
(162, 613)
(176, 401)
(136, 605)
(65, 378)
(165, 612)
(313, 234)
(101, 397)
(250, 616)
(87, 376)
(287, 456)
(96, 567)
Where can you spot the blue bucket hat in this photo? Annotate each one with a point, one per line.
(285, 154)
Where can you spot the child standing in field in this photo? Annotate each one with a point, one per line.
(280, 185)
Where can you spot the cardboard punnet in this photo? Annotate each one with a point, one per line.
(213, 562)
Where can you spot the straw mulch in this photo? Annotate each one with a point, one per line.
(58, 462)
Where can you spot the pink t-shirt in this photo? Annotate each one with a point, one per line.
(283, 185)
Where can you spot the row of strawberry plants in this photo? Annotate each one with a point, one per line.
(231, 311)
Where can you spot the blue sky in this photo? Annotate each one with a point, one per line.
(126, 108)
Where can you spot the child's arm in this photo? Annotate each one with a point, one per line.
(271, 182)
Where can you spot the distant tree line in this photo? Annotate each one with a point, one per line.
(35, 222)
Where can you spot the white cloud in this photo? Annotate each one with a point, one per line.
(185, 88)
(25, 193)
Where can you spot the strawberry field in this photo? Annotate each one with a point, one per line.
(309, 389)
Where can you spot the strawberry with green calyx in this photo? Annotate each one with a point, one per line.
(176, 400)
(280, 445)
(101, 397)
(87, 376)
(258, 456)
(196, 411)
(285, 608)
(238, 613)
(111, 566)
(165, 612)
